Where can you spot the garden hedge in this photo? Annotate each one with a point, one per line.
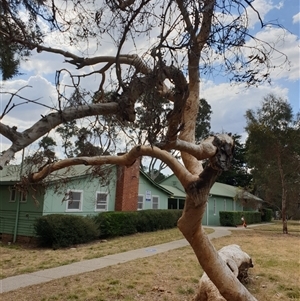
(266, 215)
(120, 223)
(233, 218)
(61, 230)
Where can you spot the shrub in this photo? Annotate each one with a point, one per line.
(122, 223)
(233, 218)
(153, 220)
(60, 230)
(266, 215)
(118, 223)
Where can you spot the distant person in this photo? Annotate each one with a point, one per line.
(244, 222)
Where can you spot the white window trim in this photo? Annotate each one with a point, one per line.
(225, 205)
(25, 200)
(107, 200)
(215, 207)
(141, 195)
(80, 204)
(158, 203)
(11, 190)
(18, 194)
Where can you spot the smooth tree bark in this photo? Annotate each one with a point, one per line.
(188, 36)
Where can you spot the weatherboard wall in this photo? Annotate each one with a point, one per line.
(19, 220)
(56, 201)
(150, 191)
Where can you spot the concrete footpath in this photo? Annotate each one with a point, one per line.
(19, 281)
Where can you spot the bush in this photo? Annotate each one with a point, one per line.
(111, 224)
(153, 220)
(233, 218)
(60, 230)
(117, 223)
(266, 215)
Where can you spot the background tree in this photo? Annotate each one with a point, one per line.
(273, 152)
(183, 37)
(203, 121)
(26, 29)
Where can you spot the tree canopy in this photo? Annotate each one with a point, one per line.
(273, 152)
(144, 58)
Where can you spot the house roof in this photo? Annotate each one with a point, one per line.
(162, 187)
(10, 174)
(218, 189)
(176, 193)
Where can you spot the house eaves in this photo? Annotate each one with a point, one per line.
(161, 187)
(176, 193)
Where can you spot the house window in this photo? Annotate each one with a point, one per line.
(74, 200)
(215, 207)
(23, 197)
(225, 206)
(101, 201)
(155, 202)
(140, 202)
(14, 195)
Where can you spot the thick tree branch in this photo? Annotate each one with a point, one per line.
(127, 159)
(49, 122)
(9, 132)
(221, 146)
(192, 105)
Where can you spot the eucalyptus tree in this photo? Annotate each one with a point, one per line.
(149, 54)
(273, 152)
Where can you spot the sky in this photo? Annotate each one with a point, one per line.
(228, 102)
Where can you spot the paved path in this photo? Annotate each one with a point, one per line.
(15, 282)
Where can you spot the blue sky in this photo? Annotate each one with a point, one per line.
(229, 102)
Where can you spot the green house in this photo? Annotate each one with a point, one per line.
(86, 190)
(222, 197)
(77, 190)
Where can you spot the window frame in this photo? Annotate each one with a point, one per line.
(80, 202)
(23, 198)
(158, 201)
(107, 200)
(143, 199)
(14, 192)
(215, 207)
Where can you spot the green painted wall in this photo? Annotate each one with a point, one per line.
(88, 185)
(28, 211)
(215, 204)
(149, 189)
(173, 181)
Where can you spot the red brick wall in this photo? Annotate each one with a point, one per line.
(127, 187)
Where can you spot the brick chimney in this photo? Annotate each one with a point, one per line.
(127, 187)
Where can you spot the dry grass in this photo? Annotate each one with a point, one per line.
(20, 259)
(174, 275)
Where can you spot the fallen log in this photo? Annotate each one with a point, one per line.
(237, 260)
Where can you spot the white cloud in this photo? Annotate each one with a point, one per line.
(263, 7)
(39, 89)
(230, 102)
(288, 44)
(296, 18)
